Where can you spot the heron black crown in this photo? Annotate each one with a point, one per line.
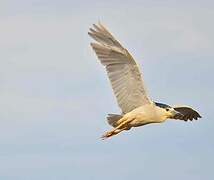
(161, 105)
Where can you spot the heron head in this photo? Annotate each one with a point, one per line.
(168, 111)
(171, 112)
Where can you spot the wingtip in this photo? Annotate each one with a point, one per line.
(93, 45)
(95, 26)
(90, 34)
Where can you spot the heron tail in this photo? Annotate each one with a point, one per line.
(113, 118)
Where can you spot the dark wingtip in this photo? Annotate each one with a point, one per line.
(161, 105)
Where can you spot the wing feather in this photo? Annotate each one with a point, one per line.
(122, 70)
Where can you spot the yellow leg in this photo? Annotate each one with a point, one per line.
(116, 130)
(112, 133)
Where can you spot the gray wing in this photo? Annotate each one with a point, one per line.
(187, 112)
(121, 68)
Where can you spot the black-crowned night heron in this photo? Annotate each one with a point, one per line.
(127, 83)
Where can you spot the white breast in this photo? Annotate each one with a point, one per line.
(146, 114)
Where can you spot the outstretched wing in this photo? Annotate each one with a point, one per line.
(187, 112)
(121, 68)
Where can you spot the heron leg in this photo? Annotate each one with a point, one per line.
(112, 133)
(117, 129)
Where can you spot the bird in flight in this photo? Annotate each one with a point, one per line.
(128, 86)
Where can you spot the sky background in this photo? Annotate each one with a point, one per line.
(54, 94)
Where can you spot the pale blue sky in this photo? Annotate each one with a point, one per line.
(54, 95)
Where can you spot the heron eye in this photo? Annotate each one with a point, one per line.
(167, 109)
